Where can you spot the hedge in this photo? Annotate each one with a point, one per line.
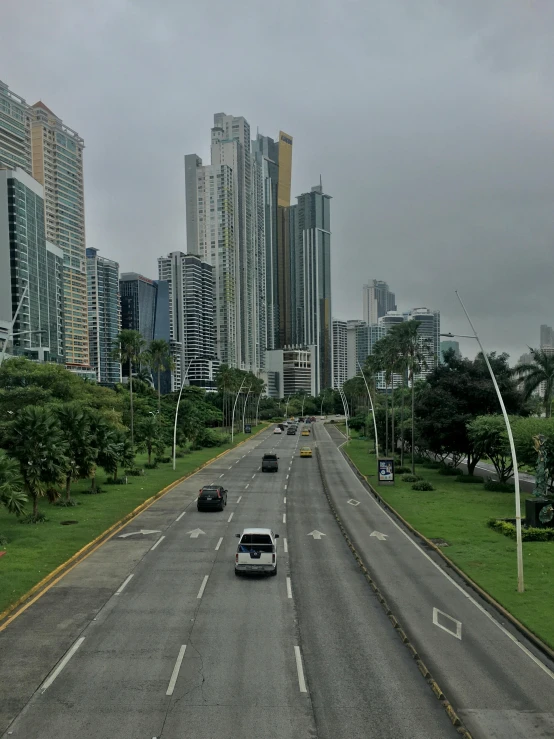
(498, 487)
(470, 479)
(528, 533)
(422, 485)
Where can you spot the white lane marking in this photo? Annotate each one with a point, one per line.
(62, 664)
(222, 474)
(353, 502)
(180, 517)
(285, 487)
(300, 670)
(288, 477)
(230, 518)
(491, 618)
(201, 591)
(458, 624)
(239, 499)
(286, 546)
(284, 517)
(254, 475)
(289, 588)
(218, 544)
(246, 487)
(230, 468)
(158, 542)
(285, 500)
(175, 673)
(124, 584)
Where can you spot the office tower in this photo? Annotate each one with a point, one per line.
(291, 370)
(390, 318)
(377, 301)
(340, 353)
(311, 279)
(356, 346)
(429, 329)
(104, 316)
(285, 226)
(30, 271)
(446, 346)
(57, 154)
(15, 131)
(191, 298)
(546, 336)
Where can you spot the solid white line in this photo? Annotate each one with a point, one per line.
(158, 542)
(300, 670)
(286, 546)
(284, 517)
(180, 517)
(285, 500)
(247, 486)
(175, 673)
(218, 544)
(289, 588)
(62, 664)
(201, 591)
(239, 499)
(230, 518)
(125, 582)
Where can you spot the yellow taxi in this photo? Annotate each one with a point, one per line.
(305, 451)
(305, 432)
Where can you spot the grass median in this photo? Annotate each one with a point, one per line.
(458, 513)
(35, 550)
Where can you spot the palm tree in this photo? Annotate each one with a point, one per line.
(150, 436)
(159, 358)
(540, 371)
(36, 441)
(119, 451)
(400, 334)
(81, 451)
(12, 497)
(415, 349)
(102, 436)
(129, 348)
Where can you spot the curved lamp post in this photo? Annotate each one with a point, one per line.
(258, 407)
(345, 405)
(177, 409)
(372, 410)
(234, 406)
(244, 407)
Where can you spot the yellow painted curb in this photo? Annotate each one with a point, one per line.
(48, 582)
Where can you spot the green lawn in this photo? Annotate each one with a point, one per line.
(33, 551)
(458, 513)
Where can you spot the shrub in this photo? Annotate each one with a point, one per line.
(528, 533)
(422, 485)
(410, 478)
(39, 518)
(163, 460)
(180, 453)
(431, 465)
(151, 465)
(135, 472)
(400, 470)
(470, 479)
(449, 471)
(119, 481)
(210, 438)
(66, 503)
(498, 487)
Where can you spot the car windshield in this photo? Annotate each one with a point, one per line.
(255, 539)
(269, 457)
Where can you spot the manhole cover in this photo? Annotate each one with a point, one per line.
(67, 523)
(440, 542)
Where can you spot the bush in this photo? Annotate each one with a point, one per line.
(449, 471)
(163, 460)
(210, 438)
(410, 478)
(422, 485)
(39, 518)
(403, 470)
(528, 533)
(66, 503)
(135, 472)
(151, 465)
(498, 487)
(470, 479)
(431, 465)
(119, 481)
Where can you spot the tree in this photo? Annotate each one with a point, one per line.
(12, 497)
(489, 436)
(540, 371)
(37, 442)
(159, 358)
(81, 452)
(129, 347)
(117, 451)
(149, 435)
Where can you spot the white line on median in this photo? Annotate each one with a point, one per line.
(123, 584)
(201, 591)
(300, 670)
(180, 517)
(218, 544)
(158, 542)
(239, 499)
(289, 588)
(175, 673)
(284, 517)
(62, 664)
(286, 546)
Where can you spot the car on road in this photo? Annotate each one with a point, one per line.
(211, 498)
(305, 432)
(291, 431)
(256, 552)
(277, 430)
(305, 451)
(270, 463)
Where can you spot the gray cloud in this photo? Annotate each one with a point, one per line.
(431, 123)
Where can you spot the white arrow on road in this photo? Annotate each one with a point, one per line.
(142, 531)
(195, 533)
(379, 535)
(316, 534)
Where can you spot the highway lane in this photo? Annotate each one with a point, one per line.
(497, 682)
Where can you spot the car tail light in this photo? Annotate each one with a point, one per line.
(237, 557)
(273, 558)
(219, 494)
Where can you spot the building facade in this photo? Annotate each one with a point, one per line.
(546, 335)
(104, 316)
(429, 333)
(57, 163)
(377, 301)
(446, 346)
(340, 353)
(291, 370)
(31, 271)
(15, 131)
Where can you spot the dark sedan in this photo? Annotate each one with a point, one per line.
(212, 498)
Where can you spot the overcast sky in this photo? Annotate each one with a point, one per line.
(430, 121)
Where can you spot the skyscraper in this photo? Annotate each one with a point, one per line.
(377, 301)
(57, 157)
(15, 130)
(30, 270)
(429, 330)
(546, 336)
(104, 316)
(340, 354)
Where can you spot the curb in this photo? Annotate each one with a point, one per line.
(451, 713)
(527, 633)
(8, 615)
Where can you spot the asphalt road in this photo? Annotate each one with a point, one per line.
(154, 636)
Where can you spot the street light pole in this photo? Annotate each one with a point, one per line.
(177, 410)
(234, 406)
(519, 545)
(345, 405)
(258, 407)
(372, 410)
(244, 407)
(286, 408)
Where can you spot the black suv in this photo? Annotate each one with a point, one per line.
(291, 431)
(212, 498)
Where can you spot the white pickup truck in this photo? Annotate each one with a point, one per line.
(256, 552)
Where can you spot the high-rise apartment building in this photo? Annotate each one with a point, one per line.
(429, 331)
(57, 159)
(546, 335)
(104, 316)
(356, 346)
(340, 353)
(30, 271)
(15, 130)
(377, 301)
(191, 298)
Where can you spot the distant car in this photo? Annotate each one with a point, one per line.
(300, 420)
(277, 430)
(313, 419)
(291, 431)
(305, 451)
(256, 552)
(211, 498)
(305, 432)
(270, 463)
